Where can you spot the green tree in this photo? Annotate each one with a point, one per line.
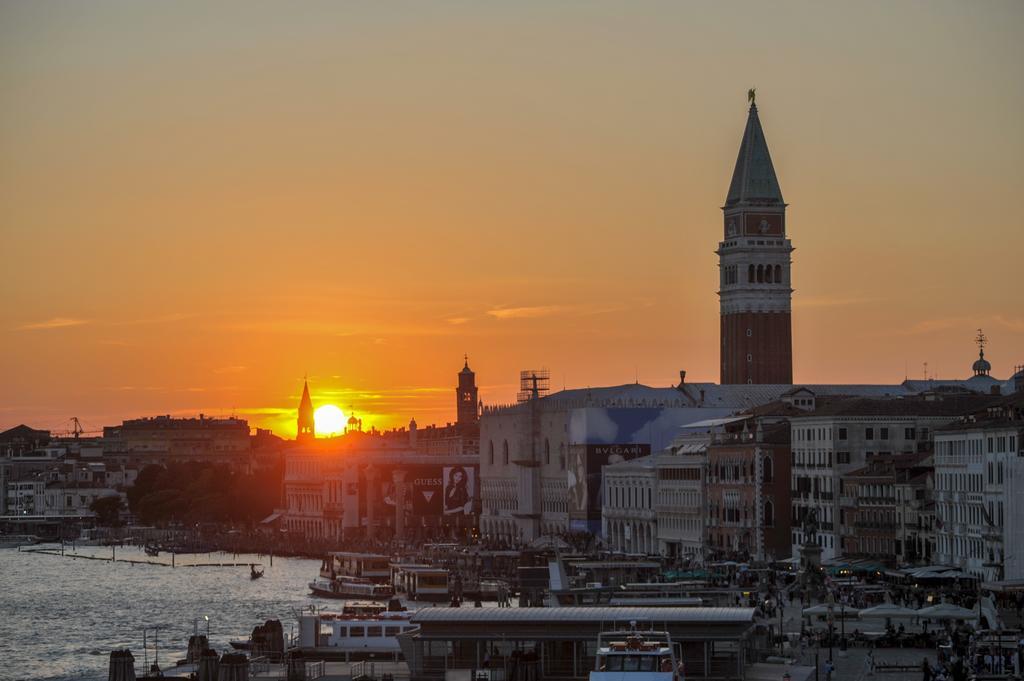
(108, 510)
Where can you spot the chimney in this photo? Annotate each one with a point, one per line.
(682, 377)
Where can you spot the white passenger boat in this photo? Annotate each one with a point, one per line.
(350, 587)
(360, 629)
(635, 656)
(421, 582)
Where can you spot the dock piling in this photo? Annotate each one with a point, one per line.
(122, 666)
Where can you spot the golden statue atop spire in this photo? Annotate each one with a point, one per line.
(751, 94)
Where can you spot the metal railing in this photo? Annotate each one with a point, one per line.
(259, 665)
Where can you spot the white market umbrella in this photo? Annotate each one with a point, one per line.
(889, 610)
(837, 610)
(947, 611)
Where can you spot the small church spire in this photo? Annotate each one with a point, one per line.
(466, 396)
(981, 366)
(306, 423)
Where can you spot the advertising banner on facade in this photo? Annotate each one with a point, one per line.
(459, 487)
(585, 481)
(430, 490)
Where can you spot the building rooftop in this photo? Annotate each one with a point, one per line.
(951, 405)
(607, 615)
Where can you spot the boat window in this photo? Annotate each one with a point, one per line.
(374, 631)
(357, 631)
(342, 632)
(647, 663)
(630, 663)
(614, 663)
(392, 631)
(408, 628)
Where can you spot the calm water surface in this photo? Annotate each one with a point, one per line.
(61, 617)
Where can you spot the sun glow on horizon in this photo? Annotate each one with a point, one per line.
(329, 420)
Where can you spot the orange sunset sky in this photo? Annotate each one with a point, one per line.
(201, 202)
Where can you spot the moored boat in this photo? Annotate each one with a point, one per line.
(360, 629)
(635, 656)
(13, 541)
(350, 588)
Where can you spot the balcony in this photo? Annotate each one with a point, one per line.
(873, 525)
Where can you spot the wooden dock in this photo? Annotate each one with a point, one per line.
(112, 558)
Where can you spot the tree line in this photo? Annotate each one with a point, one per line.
(193, 491)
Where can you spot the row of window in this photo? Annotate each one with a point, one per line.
(824, 541)
(968, 547)
(629, 497)
(744, 471)
(730, 512)
(370, 632)
(679, 473)
(972, 514)
(807, 434)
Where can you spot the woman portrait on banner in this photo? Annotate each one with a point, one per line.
(457, 498)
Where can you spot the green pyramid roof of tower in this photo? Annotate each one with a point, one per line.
(754, 181)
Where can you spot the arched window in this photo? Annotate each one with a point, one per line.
(760, 274)
(768, 466)
(769, 513)
(504, 451)
(750, 274)
(491, 451)
(547, 451)
(778, 274)
(768, 274)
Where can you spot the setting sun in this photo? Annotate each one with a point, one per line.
(329, 420)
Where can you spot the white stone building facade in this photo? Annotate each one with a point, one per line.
(839, 435)
(979, 472)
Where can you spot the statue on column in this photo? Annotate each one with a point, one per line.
(810, 527)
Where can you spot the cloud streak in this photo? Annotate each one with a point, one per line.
(54, 323)
(524, 312)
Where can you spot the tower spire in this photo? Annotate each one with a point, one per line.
(306, 429)
(753, 179)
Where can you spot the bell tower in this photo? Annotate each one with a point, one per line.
(466, 397)
(306, 426)
(754, 269)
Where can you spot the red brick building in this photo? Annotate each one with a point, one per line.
(748, 490)
(877, 507)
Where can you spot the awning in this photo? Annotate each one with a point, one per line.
(710, 423)
(271, 518)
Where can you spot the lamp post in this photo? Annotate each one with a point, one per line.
(831, 624)
(781, 634)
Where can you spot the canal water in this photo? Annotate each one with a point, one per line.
(60, 617)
